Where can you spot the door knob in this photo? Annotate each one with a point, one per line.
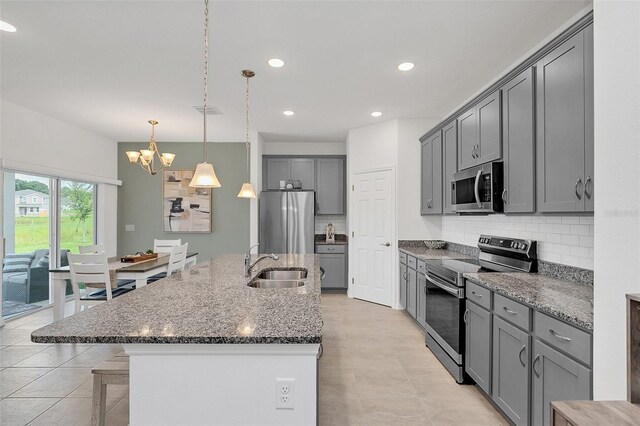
(387, 244)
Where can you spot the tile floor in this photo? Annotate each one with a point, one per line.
(375, 370)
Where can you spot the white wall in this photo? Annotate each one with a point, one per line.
(36, 141)
(617, 156)
(257, 150)
(373, 146)
(304, 148)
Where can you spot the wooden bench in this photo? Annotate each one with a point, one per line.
(112, 372)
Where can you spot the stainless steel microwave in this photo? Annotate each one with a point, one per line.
(478, 189)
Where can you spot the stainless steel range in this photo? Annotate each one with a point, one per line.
(445, 332)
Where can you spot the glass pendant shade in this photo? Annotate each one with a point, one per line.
(147, 154)
(133, 156)
(205, 177)
(247, 191)
(167, 158)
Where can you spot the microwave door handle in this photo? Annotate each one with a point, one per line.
(476, 189)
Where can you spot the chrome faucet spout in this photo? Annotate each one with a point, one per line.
(248, 266)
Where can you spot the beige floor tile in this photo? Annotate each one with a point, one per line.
(380, 385)
(86, 390)
(70, 411)
(345, 411)
(394, 410)
(93, 356)
(20, 411)
(12, 379)
(337, 384)
(119, 414)
(53, 356)
(58, 383)
(13, 354)
(13, 336)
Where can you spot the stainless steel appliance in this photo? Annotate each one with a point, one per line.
(287, 222)
(445, 331)
(478, 189)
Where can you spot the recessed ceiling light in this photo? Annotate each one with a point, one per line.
(406, 66)
(376, 114)
(289, 113)
(275, 62)
(5, 26)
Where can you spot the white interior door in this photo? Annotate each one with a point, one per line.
(372, 224)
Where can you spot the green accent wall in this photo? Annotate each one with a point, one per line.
(140, 200)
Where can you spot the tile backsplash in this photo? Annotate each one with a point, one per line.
(561, 239)
(340, 223)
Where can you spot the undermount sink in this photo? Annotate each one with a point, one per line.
(276, 283)
(283, 274)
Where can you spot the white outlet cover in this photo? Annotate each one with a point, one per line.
(285, 394)
(129, 228)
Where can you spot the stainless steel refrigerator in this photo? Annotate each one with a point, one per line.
(287, 223)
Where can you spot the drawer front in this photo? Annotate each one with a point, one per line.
(564, 337)
(326, 248)
(512, 311)
(403, 258)
(479, 295)
(422, 267)
(411, 262)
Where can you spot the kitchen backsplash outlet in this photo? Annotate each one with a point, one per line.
(339, 222)
(561, 239)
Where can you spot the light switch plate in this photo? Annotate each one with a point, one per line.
(129, 228)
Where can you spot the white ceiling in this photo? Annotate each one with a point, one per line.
(109, 66)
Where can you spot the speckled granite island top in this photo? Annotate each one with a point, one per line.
(423, 253)
(208, 303)
(568, 300)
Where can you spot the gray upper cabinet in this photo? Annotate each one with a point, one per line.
(330, 186)
(561, 98)
(467, 139)
(489, 146)
(556, 377)
(518, 144)
(477, 357)
(412, 282)
(449, 162)
(431, 179)
(588, 114)
(511, 379)
(303, 169)
(421, 297)
(276, 169)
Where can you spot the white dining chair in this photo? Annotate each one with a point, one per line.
(92, 270)
(96, 248)
(165, 246)
(177, 262)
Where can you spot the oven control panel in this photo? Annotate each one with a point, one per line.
(508, 244)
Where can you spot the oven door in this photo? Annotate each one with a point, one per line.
(445, 308)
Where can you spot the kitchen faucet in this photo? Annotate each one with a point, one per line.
(248, 266)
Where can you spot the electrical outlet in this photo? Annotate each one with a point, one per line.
(285, 394)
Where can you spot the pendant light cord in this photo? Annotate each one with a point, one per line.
(206, 76)
(247, 103)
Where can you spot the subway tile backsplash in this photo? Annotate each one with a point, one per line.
(561, 239)
(340, 223)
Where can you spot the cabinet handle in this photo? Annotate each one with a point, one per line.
(504, 196)
(464, 317)
(520, 355)
(536, 360)
(322, 273)
(404, 276)
(320, 351)
(559, 337)
(586, 184)
(578, 194)
(425, 289)
(429, 203)
(509, 311)
(473, 152)
(476, 294)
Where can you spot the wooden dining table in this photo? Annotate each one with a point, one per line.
(140, 272)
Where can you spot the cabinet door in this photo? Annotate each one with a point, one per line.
(511, 379)
(335, 268)
(489, 147)
(560, 99)
(277, 169)
(412, 283)
(330, 186)
(403, 285)
(303, 169)
(431, 179)
(518, 144)
(588, 115)
(477, 356)
(421, 307)
(449, 163)
(467, 139)
(556, 377)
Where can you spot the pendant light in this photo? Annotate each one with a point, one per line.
(146, 156)
(205, 175)
(247, 189)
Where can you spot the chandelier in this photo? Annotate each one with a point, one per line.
(146, 157)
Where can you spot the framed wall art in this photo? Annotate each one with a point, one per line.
(184, 209)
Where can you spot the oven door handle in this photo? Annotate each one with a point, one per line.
(476, 189)
(457, 293)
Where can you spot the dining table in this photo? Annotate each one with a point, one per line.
(138, 271)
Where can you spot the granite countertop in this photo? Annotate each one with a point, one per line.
(341, 239)
(568, 300)
(423, 253)
(207, 303)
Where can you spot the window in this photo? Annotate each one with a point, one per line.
(23, 199)
(35, 200)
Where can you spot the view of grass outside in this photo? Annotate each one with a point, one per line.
(32, 233)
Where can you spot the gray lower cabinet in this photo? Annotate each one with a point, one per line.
(449, 163)
(477, 354)
(556, 377)
(431, 179)
(564, 102)
(330, 186)
(518, 144)
(511, 379)
(412, 282)
(421, 297)
(333, 259)
(403, 285)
